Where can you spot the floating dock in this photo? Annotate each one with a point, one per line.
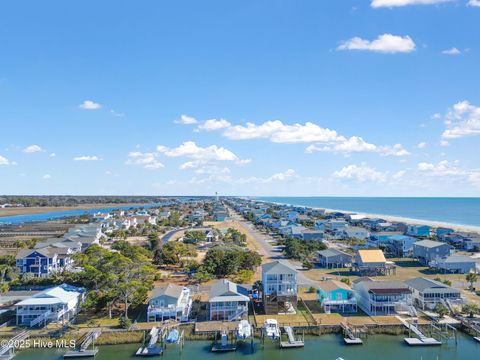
(350, 338)
(151, 349)
(292, 342)
(421, 339)
(82, 352)
(224, 345)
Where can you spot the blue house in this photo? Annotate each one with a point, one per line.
(418, 230)
(43, 262)
(336, 296)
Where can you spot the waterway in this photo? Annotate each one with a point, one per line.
(326, 347)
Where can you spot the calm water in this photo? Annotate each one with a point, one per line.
(465, 211)
(61, 214)
(327, 347)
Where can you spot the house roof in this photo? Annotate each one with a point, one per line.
(277, 267)
(330, 285)
(457, 259)
(385, 287)
(171, 290)
(225, 290)
(61, 294)
(429, 243)
(421, 284)
(332, 252)
(371, 256)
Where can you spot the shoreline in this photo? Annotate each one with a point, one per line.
(35, 210)
(393, 218)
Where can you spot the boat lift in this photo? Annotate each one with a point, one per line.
(292, 342)
(151, 349)
(83, 351)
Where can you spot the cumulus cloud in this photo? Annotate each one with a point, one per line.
(474, 3)
(398, 3)
(186, 120)
(462, 120)
(281, 176)
(190, 149)
(360, 173)
(422, 145)
(356, 144)
(451, 51)
(90, 105)
(46, 176)
(147, 160)
(87, 158)
(33, 149)
(214, 124)
(4, 160)
(450, 170)
(386, 43)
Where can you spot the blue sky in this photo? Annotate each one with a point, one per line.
(352, 98)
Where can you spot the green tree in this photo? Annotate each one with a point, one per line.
(173, 252)
(472, 279)
(471, 310)
(244, 276)
(441, 310)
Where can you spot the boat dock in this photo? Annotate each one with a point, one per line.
(421, 339)
(292, 342)
(225, 345)
(350, 336)
(7, 351)
(151, 349)
(83, 351)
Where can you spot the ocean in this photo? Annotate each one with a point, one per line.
(462, 211)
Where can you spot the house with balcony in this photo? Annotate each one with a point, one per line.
(336, 296)
(227, 301)
(402, 245)
(58, 304)
(456, 264)
(418, 230)
(169, 302)
(427, 293)
(45, 261)
(382, 297)
(333, 258)
(426, 251)
(279, 283)
(372, 262)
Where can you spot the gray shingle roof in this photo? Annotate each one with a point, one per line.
(171, 290)
(421, 284)
(429, 243)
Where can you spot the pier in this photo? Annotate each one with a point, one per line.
(421, 339)
(224, 345)
(350, 335)
(151, 349)
(7, 351)
(83, 351)
(292, 342)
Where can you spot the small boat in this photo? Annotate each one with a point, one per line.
(172, 336)
(244, 330)
(271, 328)
(339, 358)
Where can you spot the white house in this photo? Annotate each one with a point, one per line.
(227, 301)
(427, 293)
(60, 303)
(169, 302)
(279, 283)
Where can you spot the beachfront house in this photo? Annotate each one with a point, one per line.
(418, 230)
(372, 262)
(58, 304)
(382, 297)
(45, 261)
(356, 232)
(333, 258)
(427, 250)
(169, 302)
(457, 264)
(336, 224)
(427, 293)
(279, 283)
(227, 301)
(336, 296)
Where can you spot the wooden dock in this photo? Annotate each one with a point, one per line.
(421, 339)
(7, 352)
(83, 351)
(292, 342)
(151, 349)
(350, 337)
(80, 354)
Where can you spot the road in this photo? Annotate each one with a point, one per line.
(270, 251)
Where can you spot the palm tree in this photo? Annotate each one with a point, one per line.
(471, 278)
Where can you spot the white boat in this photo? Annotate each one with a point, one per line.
(271, 328)
(244, 330)
(339, 358)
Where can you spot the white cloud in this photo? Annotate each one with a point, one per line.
(87, 158)
(450, 170)
(52, 154)
(33, 149)
(386, 43)
(47, 176)
(451, 51)
(360, 173)
(116, 114)
(214, 124)
(422, 145)
(89, 105)
(186, 120)
(147, 160)
(191, 150)
(278, 132)
(4, 160)
(398, 3)
(474, 3)
(281, 176)
(463, 119)
(356, 144)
